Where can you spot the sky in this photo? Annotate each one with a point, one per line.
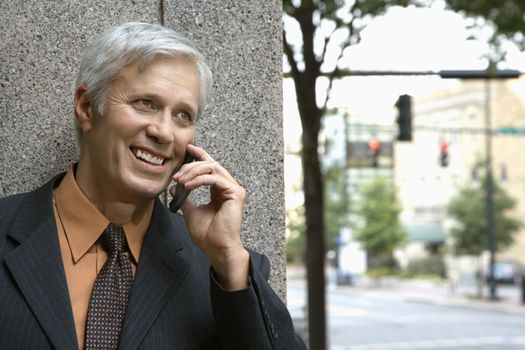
(408, 39)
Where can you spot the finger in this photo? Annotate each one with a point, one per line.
(224, 186)
(201, 168)
(198, 152)
(194, 169)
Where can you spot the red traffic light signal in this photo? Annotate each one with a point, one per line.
(375, 147)
(443, 153)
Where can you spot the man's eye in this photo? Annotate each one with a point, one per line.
(184, 117)
(145, 104)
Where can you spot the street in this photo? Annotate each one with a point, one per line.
(383, 319)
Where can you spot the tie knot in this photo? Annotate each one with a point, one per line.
(114, 240)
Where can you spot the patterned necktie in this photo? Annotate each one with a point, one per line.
(110, 294)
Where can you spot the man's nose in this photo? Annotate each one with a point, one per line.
(161, 128)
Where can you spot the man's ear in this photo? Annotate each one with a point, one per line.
(84, 112)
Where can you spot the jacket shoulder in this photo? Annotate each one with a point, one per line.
(27, 204)
(8, 207)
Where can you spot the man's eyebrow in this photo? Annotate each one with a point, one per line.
(144, 95)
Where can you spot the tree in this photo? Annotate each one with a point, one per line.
(469, 237)
(321, 22)
(334, 208)
(327, 28)
(468, 208)
(381, 232)
(334, 211)
(505, 17)
(295, 241)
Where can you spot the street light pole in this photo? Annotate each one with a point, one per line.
(489, 191)
(488, 75)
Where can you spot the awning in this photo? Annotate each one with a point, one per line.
(426, 232)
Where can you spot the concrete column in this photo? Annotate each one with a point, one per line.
(40, 47)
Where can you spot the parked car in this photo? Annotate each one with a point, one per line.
(507, 272)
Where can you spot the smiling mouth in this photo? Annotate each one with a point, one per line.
(147, 157)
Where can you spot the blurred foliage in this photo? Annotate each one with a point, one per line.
(334, 216)
(296, 241)
(378, 273)
(428, 267)
(381, 232)
(469, 209)
(504, 17)
(321, 24)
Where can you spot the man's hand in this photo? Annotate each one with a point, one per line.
(215, 227)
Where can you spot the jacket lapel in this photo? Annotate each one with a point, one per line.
(161, 269)
(36, 266)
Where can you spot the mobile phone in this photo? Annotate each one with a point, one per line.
(181, 193)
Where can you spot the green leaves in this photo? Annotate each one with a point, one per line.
(505, 16)
(382, 231)
(468, 209)
(335, 210)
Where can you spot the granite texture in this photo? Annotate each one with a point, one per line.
(242, 127)
(40, 47)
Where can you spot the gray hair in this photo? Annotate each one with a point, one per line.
(125, 44)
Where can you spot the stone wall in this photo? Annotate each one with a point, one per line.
(40, 47)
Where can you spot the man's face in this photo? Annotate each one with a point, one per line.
(132, 150)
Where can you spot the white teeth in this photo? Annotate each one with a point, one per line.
(148, 157)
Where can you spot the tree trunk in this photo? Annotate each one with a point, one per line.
(315, 245)
(305, 88)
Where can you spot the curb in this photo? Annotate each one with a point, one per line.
(516, 309)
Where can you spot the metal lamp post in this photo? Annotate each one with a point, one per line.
(488, 75)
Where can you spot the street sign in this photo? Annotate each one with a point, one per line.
(510, 131)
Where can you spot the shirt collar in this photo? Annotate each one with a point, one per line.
(83, 223)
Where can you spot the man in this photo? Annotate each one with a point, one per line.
(94, 260)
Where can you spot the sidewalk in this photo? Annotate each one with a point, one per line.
(423, 291)
(442, 293)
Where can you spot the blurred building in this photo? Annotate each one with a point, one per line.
(448, 144)
(363, 151)
(363, 148)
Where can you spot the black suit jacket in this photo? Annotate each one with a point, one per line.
(175, 303)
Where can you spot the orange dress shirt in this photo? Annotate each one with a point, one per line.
(80, 225)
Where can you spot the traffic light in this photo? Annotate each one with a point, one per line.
(443, 153)
(375, 147)
(404, 119)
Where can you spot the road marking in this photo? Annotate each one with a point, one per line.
(436, 344)
(296, 302)
(333, 309)
(345, 311)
